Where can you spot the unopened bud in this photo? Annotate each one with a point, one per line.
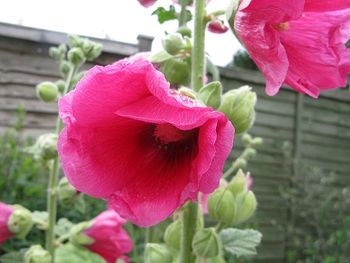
(176, 71)
(257, 141)
(249, 153)
(91, 49)
(172, 235)
(240, 163)
(184, 31)
(173, 43)
(238, 105)
(217, 26)
(47, 91)
(246, 206)
(36, 254)
(206, 243)
(60, 85)
(247, 139)
(211, 94)
(238, 184)
(75, 41)
(65, 67)
(66, 192)
(45, 147)
(77, 236)
(76, 56)
(157, 253)
(20, 222)
(221, 206)
(77, 78)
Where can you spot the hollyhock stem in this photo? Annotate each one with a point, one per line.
(198, 55)
(189, 225)
(53, 180)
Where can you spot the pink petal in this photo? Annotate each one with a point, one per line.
(5, 213)
(326, 5)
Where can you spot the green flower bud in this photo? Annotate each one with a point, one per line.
(47, 91)
(45, 147)
(246, 206)
(173, 43)
(36, 254)
(20, 222)
(176, 71)
(211, 94)
(157, 253)
(184, 31)
(238, 184)
(257, 141)
(77, 78)
(91, 49)
(206, 243)
(76, 56)
(246, 139)
(66, 192)
(238, 105)
(188, 92)
(249, 153)
(172, 235)
(58, 53)
(62, 49)
(65, 67)
(77, 236)
(75, 41)
(60, 85)
(221, 206)
(240, 163)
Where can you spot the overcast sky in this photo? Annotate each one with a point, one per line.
(120, 20)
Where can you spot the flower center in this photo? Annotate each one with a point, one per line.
(168, 133)
(281, 26)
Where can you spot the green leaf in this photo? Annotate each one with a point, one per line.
(63, 226)
(12, 257)
(165, 15)
(73, 254)
(160, 57)
(79, 204)
(240, 242)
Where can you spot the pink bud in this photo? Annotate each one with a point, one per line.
(147, 3)
(5, 213)
(217, 26)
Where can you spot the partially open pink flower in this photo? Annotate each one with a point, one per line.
(147, 3)
(131, 140)
(217, 26)
(111, 241)
(298, 42)
(5, 213)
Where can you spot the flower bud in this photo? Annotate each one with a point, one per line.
(76, 56)
(157, 253)
(60, 85)
(249, 153)
(238, 184)
(221, 206)
(211, 94)
(206, 243)
(75, 41)
(91, 49)
(65, 67)
(47, 91)
(246, 139)
(66, 192)
(147, 3)
(44, 147)
(246, 206)
(77, 236)
(217, 26)
(20, 222)
(176, 71)
(173, 43)
(240, 163)
(77, 78)
(172, 235)
(36, 254)
(54, 53)
(257, 141)
(238, 105)
(184, 31)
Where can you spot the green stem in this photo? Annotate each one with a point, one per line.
(151, 234)
(189, 225)
(53, 180)
(182, 15)
(198, 52)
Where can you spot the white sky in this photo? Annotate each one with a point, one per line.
(120, 20)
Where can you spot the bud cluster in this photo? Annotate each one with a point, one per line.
(45, 147)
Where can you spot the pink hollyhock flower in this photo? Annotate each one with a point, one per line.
(292, 43)
(217, 26)
(140, 145)
(147, 3)
(5, 213)
(111, 241)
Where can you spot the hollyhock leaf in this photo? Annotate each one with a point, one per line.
(126, 110)
(70, 253)
(165, 15)
(239, 242)
(12, 257)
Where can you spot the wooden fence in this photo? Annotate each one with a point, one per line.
(318, 132)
